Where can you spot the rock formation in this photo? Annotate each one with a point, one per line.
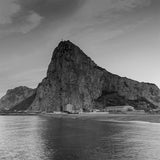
(74, 79)
(14, 97)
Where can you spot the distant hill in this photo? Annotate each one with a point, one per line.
(15, 96)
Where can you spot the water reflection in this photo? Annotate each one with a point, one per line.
(20, 138)
(41, 138)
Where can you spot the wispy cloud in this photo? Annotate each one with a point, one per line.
(7, 9)
(127, 5)
(107, 18)
(22, 16)
(13, 19)
(32, 21)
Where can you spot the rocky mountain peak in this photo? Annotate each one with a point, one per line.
(68, 50)
(68, 56)
(66, 46)
(74, 79)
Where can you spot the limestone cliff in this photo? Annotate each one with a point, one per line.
(15, 96)
(73, 78)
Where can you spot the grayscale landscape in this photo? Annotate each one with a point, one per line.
(79, 80)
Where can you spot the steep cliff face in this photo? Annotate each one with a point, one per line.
(15, 96)
(73, 78)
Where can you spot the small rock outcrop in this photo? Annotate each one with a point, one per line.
(14, 97)
(74, 79)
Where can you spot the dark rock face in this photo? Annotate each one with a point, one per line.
(15, 96)
(73, 78)
(23, 105)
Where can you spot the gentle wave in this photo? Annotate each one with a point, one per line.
(138, 122)
(144, 122)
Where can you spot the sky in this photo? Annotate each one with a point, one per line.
(122, 36)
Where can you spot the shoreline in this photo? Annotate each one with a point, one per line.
(153, 118)
(102, 116)
(19, 114)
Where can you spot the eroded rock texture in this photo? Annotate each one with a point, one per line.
(73, 78)
(15, 96)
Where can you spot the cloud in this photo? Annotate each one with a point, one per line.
(23, 16)
(13, 19)
(7, 9)
(52, 8)
(127, 5)
(108, 8)
(109, 18)
(32, 21)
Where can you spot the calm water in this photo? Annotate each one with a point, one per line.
(43, 138)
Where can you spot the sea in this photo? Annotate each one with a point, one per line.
(48, 138)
